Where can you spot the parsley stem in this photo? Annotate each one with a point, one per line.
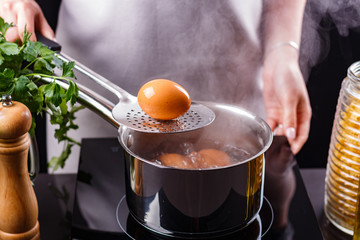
(27, 66)
(48, 76)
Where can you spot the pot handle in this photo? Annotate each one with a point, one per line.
(87, 97)
(120, 93)
(91, 100)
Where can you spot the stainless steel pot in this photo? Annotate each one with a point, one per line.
(192, 203)
(189, 202)
(198, 202)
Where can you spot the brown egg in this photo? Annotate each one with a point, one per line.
(175, 160)
(163, 99)
(213, 158)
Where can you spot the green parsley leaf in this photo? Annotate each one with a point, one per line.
(54, 93)
(43, 66)
(6, 80)
(9, 48)
(21, 87)
(4, 26)
(1, 59)
(31, 51)
(67, 70)
(57, 162)
(22, 65)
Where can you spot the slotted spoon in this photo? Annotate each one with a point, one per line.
(128, 112)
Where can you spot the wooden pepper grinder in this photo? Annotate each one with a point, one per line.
(18, 203)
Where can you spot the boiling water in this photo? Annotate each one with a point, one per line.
(191, 151)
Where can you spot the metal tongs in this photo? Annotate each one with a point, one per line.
(128, 112)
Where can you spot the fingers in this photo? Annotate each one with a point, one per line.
(272, 123)
(9, 16)
(26, 19)
(24, 13)
(290, 119)
(296, 121)
(297, 136)
(303, 129)
(289, 115)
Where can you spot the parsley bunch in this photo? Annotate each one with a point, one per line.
(22, 65)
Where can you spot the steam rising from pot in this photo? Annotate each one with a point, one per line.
(321, 16)
(231, 32)
(212, 48)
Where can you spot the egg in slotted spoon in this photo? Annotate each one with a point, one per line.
(162, 106)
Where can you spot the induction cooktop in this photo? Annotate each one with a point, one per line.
(100, 209)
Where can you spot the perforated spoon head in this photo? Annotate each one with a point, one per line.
(132, 116)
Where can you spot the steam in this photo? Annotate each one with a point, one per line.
(345, 14)
(320, 17)
(200, 30)
(213, 49)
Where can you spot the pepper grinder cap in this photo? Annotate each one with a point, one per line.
(15, 118)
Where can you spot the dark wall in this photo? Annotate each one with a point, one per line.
(323, 86)
(51, 11)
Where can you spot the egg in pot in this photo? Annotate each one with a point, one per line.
(175, 160)
(205, 158)
(214, 158)
(163, 99)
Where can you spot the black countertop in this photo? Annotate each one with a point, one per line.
(56, 198)
(55, 194)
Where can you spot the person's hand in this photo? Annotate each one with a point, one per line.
(24, 13)
(286, 98)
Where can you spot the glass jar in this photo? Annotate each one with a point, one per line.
(343, 167)
(357, 218)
